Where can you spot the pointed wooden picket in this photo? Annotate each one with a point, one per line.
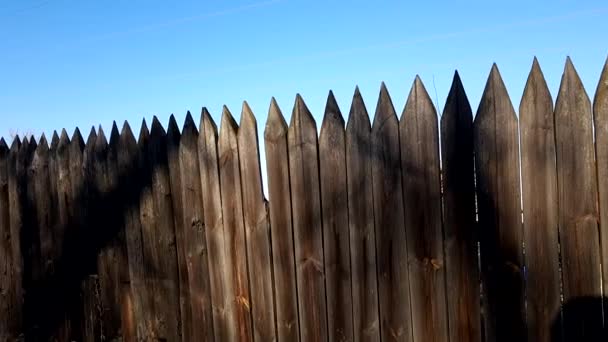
(539, 196)
(218, 266)
(11, 303)
(173, 142)
(44, 208)
(577, 198)
(459, 227)
(127, 164)
(237, 276)
(600, 120)
(419, 138)
(366, 325)
(257, 229)
(163, 255)
(277, 166)
(336, 241)
(391, 248)
(307, 223)
(194, 233)
(497, 167)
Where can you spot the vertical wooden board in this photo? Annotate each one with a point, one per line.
(600, 119)
(366, 324)
(577, 198)
(127, 161)
(44, 204)
(10, 280)
(277, 166)
(419, 140)
(214, 228)
(391, 248)
(257, 229)
(307, 223)
(64, 191)
(497, 166)
(234, 232)
(194, 234)
(164, 257)
(336, 239)
(459, 227)
(539, 185)
(173, 139)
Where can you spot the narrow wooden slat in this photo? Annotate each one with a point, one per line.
(63, 181)
(162, 258)
(539, 184)
(214, 230)
(366, 324)
(419, 138)
(336, 239)
(459, 227)
(391, 249)
(600, 120)
(234, 234)
(173, 140)
(43, 203)
(577, 198)
(133, 320)
(194, 234)
(257, 229)
(277, 166)
(307, 223)
(10, 280)
(497, 167)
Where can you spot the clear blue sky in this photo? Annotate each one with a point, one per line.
(68, 63)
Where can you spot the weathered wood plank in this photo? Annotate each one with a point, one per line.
(600, 120)
(214, 227)
(307, 223)
(133, 320)
(336, 239)
(459, 227)
(173, 140)
(277, 167)
(10, 278)
(539, 184)
(234, 233)
(257, 229)
(577, 198)
(497, 166)
(420, 167)
(194, 234)
(162, 259)
(391, 249)
(366, 324)
(64, 187)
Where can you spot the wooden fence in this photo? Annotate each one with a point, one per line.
(368, 235)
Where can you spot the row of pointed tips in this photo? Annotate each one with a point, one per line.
(301, 114)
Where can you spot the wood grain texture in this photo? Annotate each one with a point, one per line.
(497, 164)
(391, 248)
(173, 142)
(459, 226)
(194, 234)
(600, 120)
(366, 324)
(257, 229)
(577, 198)
(419, 139)
(235, 241)
(334, 209)
(10, 277)
(539, 184)
(163, 257)
(127, 166)
(279, 191)
(307, 225)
